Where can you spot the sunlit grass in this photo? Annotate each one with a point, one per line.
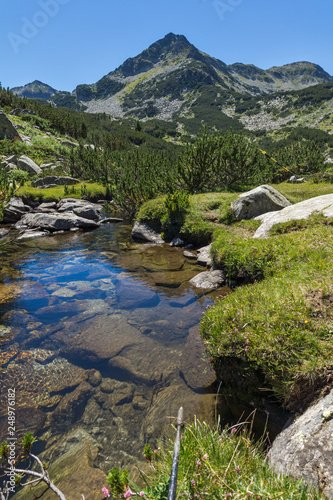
(219, 465)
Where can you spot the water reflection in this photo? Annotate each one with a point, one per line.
(95, 339)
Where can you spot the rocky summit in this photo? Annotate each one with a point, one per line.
(173, 78)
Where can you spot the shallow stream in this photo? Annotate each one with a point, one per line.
(99, 339)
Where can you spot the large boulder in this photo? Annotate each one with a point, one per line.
(27, 164)
(305, 448)
(258, 201)
(87, 212)
(7, 129)
(56, 180)
(14, 210)
(302, 210)
(56, 222)
(142, 231)
(72, 204)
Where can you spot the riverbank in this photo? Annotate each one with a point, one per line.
(276, 326)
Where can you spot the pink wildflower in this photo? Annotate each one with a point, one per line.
(106, 493)
(233, 320)
(142, 494)
(198, 463)
(247, 341)
(237, 468)
(192, 482)
(205, 456)
(155, 451)
(127, 494)
(235, 330)
(233, 430)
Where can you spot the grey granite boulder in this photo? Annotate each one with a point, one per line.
(56, 222)
(14, 210)
(305, 448)
(71, 204)
(258, 201)
(27, 164)
(204, 258)
(56, 180)
(209, 279)
(142, 231)
(69, 144)
(87, 212)
(302, 210)
(7, 129)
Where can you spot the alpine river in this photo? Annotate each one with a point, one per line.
(99, 340)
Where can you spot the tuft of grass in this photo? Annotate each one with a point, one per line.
(219, 465)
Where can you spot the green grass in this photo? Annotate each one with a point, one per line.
(279, 330)
(88, 190)
(303, 191)
(219, 465)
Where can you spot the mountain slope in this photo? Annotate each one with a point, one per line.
(35, 90)
(173, 79)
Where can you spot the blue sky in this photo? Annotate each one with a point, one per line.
(68, 42)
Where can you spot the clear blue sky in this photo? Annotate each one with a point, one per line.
(68, 42)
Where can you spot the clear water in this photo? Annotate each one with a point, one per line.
(98, 337)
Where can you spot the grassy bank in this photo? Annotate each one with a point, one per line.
(89, 190)
(216, 464)
(275, 331)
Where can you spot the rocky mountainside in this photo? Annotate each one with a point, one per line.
(35, 90)
(172, 79)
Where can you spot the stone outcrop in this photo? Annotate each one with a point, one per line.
(209, 279)
(54, 181)
(143, 232)
(204, 258)
(302, 210)
(14, 210)
(305, 448)
(71, 204)
(7, 129)
(69, 144)
(56, 222)
(258, 201)
(21, 111)
(27, 164)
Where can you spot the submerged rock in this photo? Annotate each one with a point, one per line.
(209, 279)
(197, 373)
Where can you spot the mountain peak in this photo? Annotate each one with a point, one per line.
(162, 51)
(35, 89)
